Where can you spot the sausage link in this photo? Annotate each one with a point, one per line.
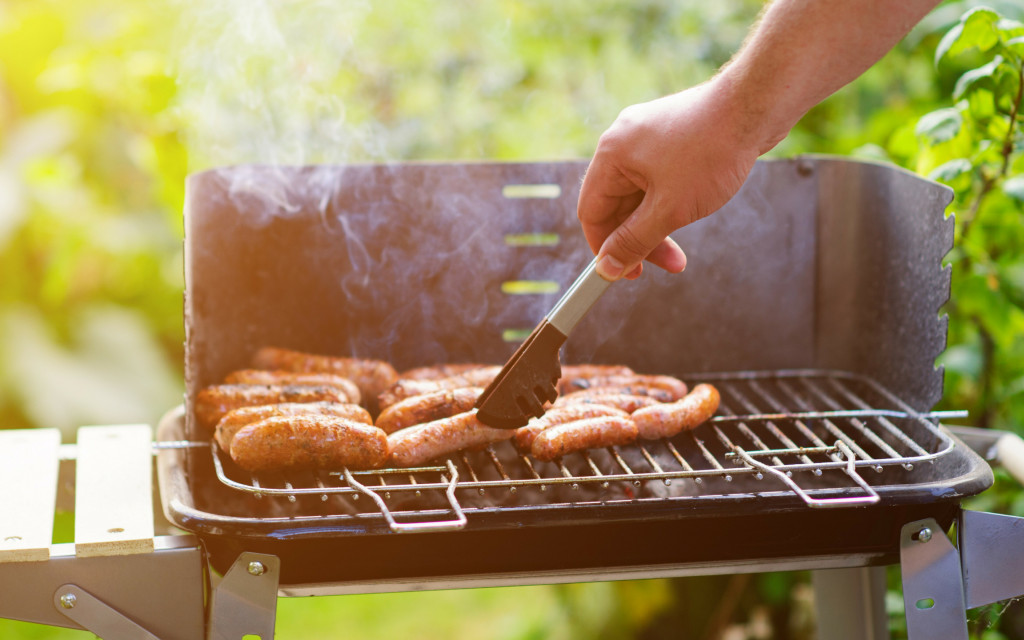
(675, 387)
(595, 370)
(216, 400)
(371, 376)
(427, 408)
(403, 389)
(561, 415)
(439, 371)
(583, 434)
(308, 441)
(624, 401)
(263, 376)
(666, 420)
(417, 445)
(234, 420)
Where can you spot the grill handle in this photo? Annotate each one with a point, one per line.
(870, 495)
(415, 527)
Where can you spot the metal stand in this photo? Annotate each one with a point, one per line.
(933, 591)
(850, 603)
(244, 604)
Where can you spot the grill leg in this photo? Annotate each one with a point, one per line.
(850, 603)
(933, 588)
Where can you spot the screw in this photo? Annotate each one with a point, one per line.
(68, 600)
(924, 535)
(256, 568)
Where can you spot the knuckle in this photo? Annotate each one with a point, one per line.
(630, 243)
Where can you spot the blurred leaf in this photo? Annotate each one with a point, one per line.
(976, 30)
(970, 79)
(1014, 187)
(951, 170)
(963, 359)
(939, 126)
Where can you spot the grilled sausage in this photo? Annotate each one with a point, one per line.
(675, 387)
(371, 376)
(427, 408)
(262, 376)
(626, 402)
(659, 395)
(666, 420)
(215, 401)
(306, 441)
(438, 371)
(561, 415)
(594, 370)
(234, 420)
(403, 389)
(583, 434)
(417, 445)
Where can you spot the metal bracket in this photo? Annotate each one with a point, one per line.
(933, 591)
(97, 616)
(244, 604)
(984, 540)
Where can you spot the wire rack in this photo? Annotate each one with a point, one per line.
(828, 437)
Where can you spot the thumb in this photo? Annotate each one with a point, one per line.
(625, 249)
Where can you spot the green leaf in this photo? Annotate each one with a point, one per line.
(976, 30)
(1014, 187)
(939, 126)
(949, 171)
(1015, 46)
(971, 78)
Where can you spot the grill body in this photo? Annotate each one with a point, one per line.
(818, 265)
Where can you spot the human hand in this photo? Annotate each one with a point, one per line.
(660, 166)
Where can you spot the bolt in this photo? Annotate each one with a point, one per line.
(68, 600)
(924, 535)
(256, 568)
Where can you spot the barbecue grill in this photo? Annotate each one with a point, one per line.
(811, 301)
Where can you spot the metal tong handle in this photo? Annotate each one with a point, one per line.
(578, 299)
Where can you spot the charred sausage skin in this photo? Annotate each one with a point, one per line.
(371, 376)
(626, 402)
(415, 446)
(233, 421)
(427, 408)
(263, 376)
(213, 402)
(666, 420)
(672, 388)
(403, 389)
(561, 415)
(308, 441)
(578, 435)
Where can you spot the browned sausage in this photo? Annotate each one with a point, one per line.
(626, 402)
(666, 420)
(438, 371)
(595, 370)
(427, 408)
(234, 420)
(560, 415)
(659, 395)
(583, 434)
(215, 401)
(262, 376)
(371, 376)
(403, 389)
(305, 441)
(417, 445)
(675, 387)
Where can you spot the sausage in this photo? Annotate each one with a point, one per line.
(305, 441)
(234, 420)
(673, 386)
(578, 435)
(595, 370)
(216, 400)
(403, 389)
(560, 415)
(438, 371)
(659, 395)
(626, 402)
(262, 376)
(417, 445)
(666, 420)
(427, 408)
(371, 376)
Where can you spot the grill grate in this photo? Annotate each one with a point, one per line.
(804, 432)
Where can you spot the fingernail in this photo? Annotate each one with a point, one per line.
(609, 268)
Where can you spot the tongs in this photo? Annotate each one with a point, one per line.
(530, 377)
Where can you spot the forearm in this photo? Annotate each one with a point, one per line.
(802, 51)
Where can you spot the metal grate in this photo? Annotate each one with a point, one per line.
(827, 437)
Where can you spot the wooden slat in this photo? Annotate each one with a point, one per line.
(29, 463)
(113, 491)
